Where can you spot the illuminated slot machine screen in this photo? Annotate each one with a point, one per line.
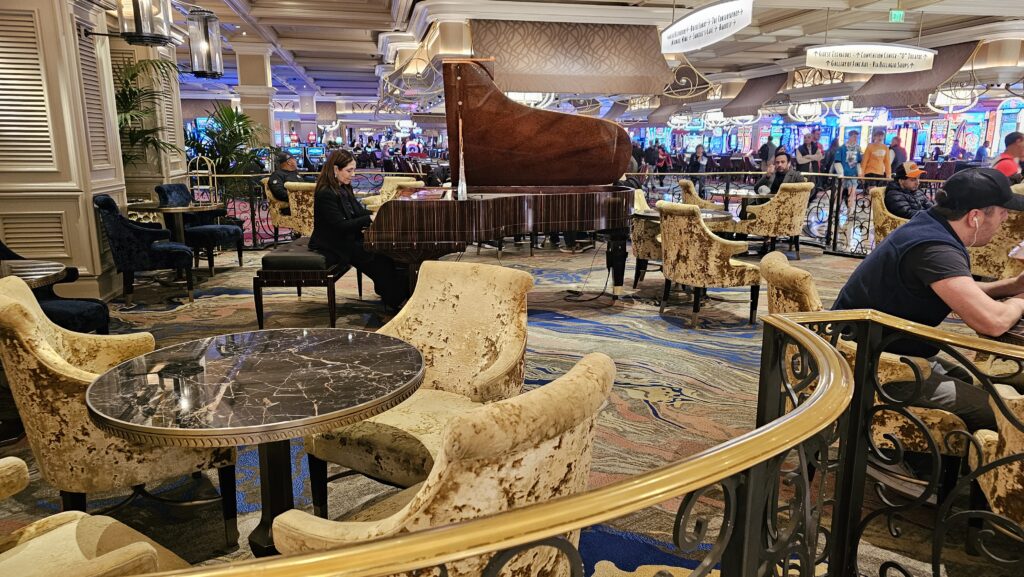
(315, 155)
(939, 130)
(298, 153)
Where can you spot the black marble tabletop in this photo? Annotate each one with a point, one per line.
(255, 387)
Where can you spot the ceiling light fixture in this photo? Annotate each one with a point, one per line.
(204, 43)
(145, 22)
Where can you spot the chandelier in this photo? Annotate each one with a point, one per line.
(747, 120)
(679, 121)
(845, 106)
(808, 112)
(954, 99)
(716, 119)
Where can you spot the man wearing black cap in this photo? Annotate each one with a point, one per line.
(922, 272)
(287, 171)
(903, 196)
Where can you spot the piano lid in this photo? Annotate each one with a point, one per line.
(511, 144)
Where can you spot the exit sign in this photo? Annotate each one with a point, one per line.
(897, 15)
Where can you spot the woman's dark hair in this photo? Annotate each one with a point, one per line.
(340, 158)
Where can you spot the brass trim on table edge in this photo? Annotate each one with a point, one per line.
(431, 547)
(49, 279)
(210, 438)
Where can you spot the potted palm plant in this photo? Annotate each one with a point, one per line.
(137, 93)
(231, 140)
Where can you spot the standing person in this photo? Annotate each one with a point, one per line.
(338, 223)
(981, 155)
(638, 153)
(1008, 162)
(664, 164)
(957, 152)
(922, 271)
(937, 154)
(876, 163)
(897, 152)
(809, 155)
(698, 164)
(848, 163)
(767, 152)
(650, 162)
(829, 161)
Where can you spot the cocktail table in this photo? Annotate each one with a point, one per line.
(259, 387)
(35, 273)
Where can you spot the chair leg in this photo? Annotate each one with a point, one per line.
(796, 244)
(318, 484)
(190, 285)
(257, 295)
(359, 283)
(128, 286)
(72, 501)
(949, 474)
(209, 259)
(276, 230)
(664, 295)
(195, 258)
(239, 247)
(331, 302)
(298, 290)
(641, 268)
(755, 292)
(228, 503)
(698, 295)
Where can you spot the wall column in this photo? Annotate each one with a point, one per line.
(255, 85)
(61, 148)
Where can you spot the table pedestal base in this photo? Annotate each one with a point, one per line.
(275, 492)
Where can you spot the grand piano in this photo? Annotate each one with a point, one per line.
(526, 172)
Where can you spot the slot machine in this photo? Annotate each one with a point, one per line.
(299, 153)
(315, 157)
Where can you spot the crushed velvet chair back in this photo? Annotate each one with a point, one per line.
(790, 289)
(274, 208)
(784, 214)
(123, 236)
(389, 188)
(993, 260)
(49, 370)
(7, 254)
(693, 255)
(173, 194)
(643, 233)
(300, 199)
(469, 322)
(690, 196)
(640, 201)
(506, 455)
(1003, 485)
(883, 222)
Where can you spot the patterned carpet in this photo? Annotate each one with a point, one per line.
(678, 390)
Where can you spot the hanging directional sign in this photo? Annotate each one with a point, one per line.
(871, 58)
(706, 26)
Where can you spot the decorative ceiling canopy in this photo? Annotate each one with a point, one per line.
(915, 88)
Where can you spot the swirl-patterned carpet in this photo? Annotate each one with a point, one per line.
(678, 390)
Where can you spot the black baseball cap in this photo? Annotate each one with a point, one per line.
(978, 188)
(282, 157)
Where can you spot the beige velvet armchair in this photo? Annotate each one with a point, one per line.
(506, 455)
(1003, 486)
(300, 198)
(883, 222)
(993, 260)
(469, 322)
(74, 543)
(783, 215)
(49, 369)
(277, 209)
(690, 196)
(693, 255)
(792, 290)
(643, 236)
(388, 190)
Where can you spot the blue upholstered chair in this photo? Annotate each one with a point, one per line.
(78, 315)
(201, 229)
(136, 248)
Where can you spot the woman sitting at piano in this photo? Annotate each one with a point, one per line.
(338, 223)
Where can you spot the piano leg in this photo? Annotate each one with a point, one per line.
(616, 259)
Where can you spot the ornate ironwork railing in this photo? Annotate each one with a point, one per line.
(769, 524)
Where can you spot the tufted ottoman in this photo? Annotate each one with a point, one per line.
(296, 265)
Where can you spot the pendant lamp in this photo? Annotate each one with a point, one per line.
(145, 22)
(204, 43)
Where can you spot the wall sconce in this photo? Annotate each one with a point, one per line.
(145, 22)
(204, 43)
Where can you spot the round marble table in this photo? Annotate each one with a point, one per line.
(35, 273)
(260, 387)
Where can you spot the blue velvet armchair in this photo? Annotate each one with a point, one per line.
(137, 248)
(78, 315)
(202, 232)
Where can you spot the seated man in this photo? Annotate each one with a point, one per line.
(783, 172)
(903, 196)
(287, 171)
(922, 271)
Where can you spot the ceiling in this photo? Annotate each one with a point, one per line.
(333, 47)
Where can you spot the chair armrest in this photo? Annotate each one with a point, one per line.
(136, 558)
(13, 476)
(98, 353)
(299, 532)
(144, 234)
(40, 527)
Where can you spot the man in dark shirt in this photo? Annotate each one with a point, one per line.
(903, 196)
(922, 271)
(782, 172)
(287, 171)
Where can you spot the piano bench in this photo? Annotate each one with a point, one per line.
(296, 265)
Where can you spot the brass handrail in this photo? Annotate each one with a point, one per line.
(450, 543)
